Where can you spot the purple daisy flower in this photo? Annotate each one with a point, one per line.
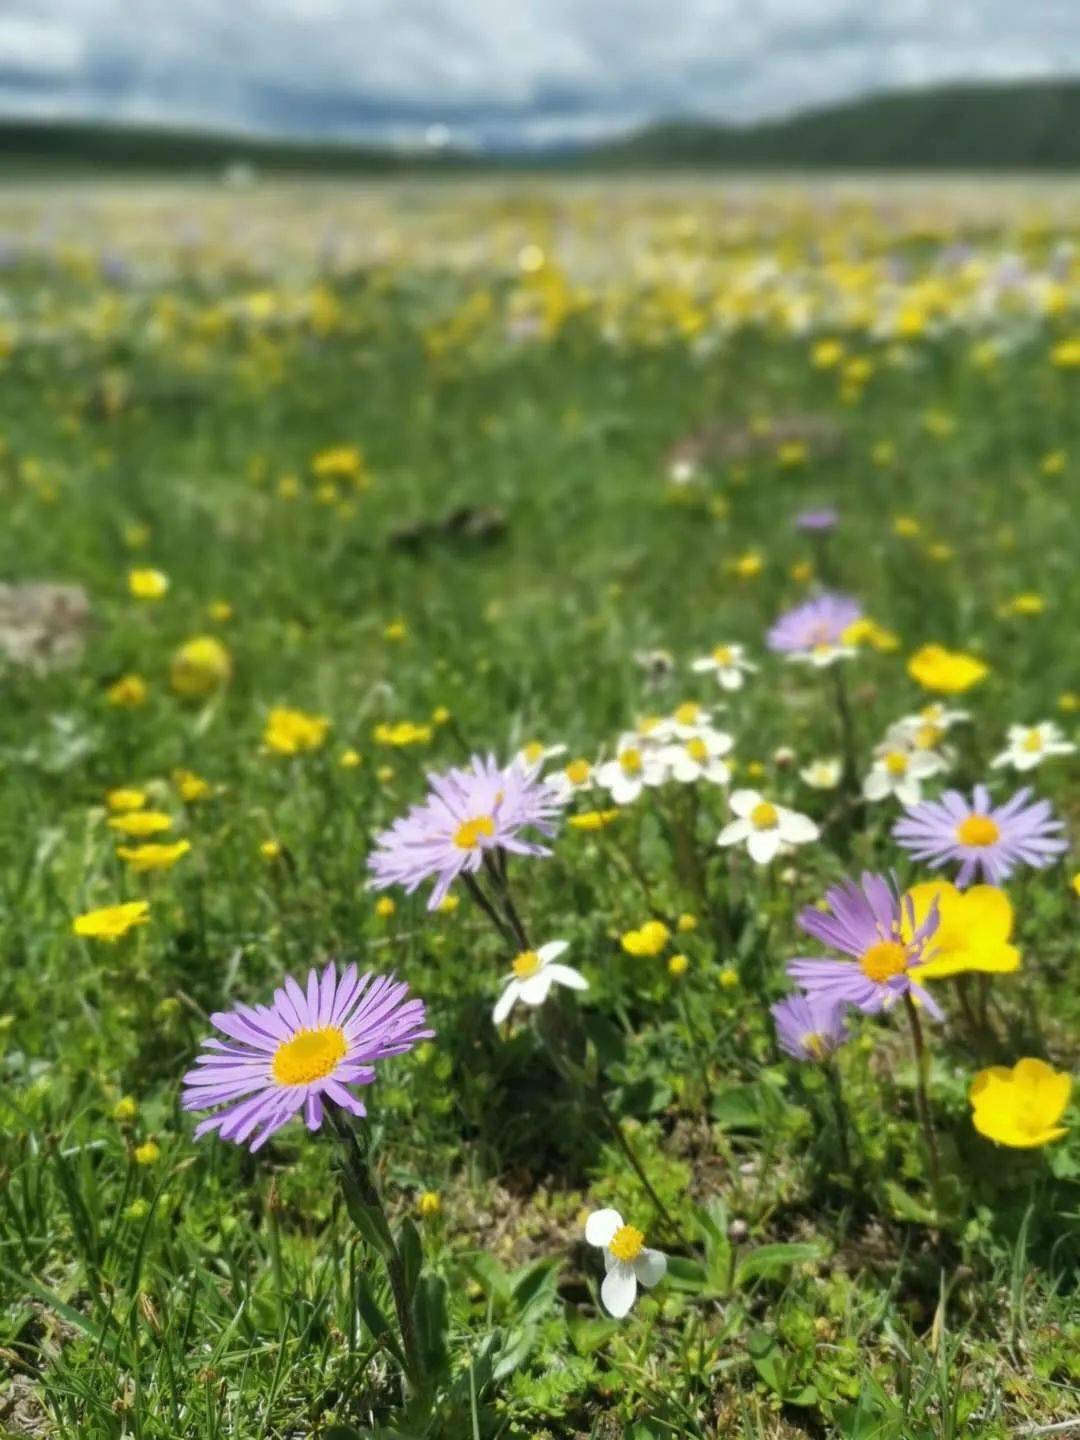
(467, 813)
(810, 1027)
(827, 518)
(871, 923)
(304, 1049)
(993, 841)
(814, 631)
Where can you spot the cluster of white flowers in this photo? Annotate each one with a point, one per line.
(912, 751)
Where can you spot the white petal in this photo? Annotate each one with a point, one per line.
(619, 1290)
(650, 1267)
(552, 950)
(909, 791)
(534, 991)
(700, 666)
(876, 785)
(568, 976)
(735, 832)
(763, 845)
(743, 801)
(601, 1226)
(730, 679)
(505, 1002)
(796, 829)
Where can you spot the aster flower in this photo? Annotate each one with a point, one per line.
(627, 1259)
(765, 828)
(810, 1027)
(814, 632)
(307, 1048)
(467, 813)
(1030, 745)
(728, 663)
(869, 922)
(534, 974)
(985, 840)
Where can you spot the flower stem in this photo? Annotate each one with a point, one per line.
(922, 1066)
(611, 1120)
(843, 1123)
(496, 867)
(358, 1179)
(474, 889)
(847, 727)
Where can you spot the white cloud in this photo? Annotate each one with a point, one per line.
(503, 69)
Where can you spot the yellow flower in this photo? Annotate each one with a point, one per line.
(973, 931)
(343, 462)
(192, 787)
(148, 1153)
(142, 858)
(1066, 355)
(802, 572)
(440, 715)
(747, 566)
(949, 672)
(678, 966)
(939, 552)
(869, 632)
(448, 904)
(428, 1204)
(127, 693)
(141, 822)
(1069, 702)
(1024, 604)
(729, 978)
(294, 732)
(649, 940)
(685, 923)
(1053, 463)
(270, 849)
(125, 797)
(349, 759)
(906, 526)
(826, 354)
(111, 922)
(384, 774)
(125, 1109)
(135, 535)
(200, 667)
(396, 630)
(147, 584)
(384, 907)
(219, 611)
(1076, 883)
(403, 733)
(593, 819)
(883, 454)
(1020, 1107)
(791, 453)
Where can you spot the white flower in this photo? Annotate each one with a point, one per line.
(765, 827)
(699, 758)
(682, 470)
(635, 765)
(1030, 745)
(927, 729)
(822, 774)
(899, 771)
(684, 722)
(728, 664)
(570, 780)
(534, 974)
(627, 1260)
(821, 655)
(533, 755)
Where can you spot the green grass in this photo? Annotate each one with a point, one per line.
(216, 1294)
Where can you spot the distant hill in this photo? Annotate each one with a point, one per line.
(1028, 126)
(1024, 126)
(27, 146)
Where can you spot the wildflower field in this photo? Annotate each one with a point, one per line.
(539, 796)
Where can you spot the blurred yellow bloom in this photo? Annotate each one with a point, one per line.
(125, 1109)
(1053, 463)
(141, 822)
(428, 1204)
(747, 566)
(384, 774)
(440, 715)
(1024, 604)
(973, 931)
(396, 630)
(1020, 1107)
(802, 572)
(940, 552)
(147, 584)
(1076, 883)
(199, 667)
(113, 921)
(384, 907)
(948, 672)
(404, 732)
(349, 759)
(1066, 355)
(593, 819)
(649, 940)
(341, 462)
(294, 732)
(448, 904)
(868, 632)
(148, 1153)
(136, 535)
(677, 966)
(1069, 702)
(686, 923)
(270, 849)
(219, 611)
(127, 693)
(906, 526)
(125, 798)
(826, 354)
(142, 858)
(192, 787)
(729, 978)
(883, 454)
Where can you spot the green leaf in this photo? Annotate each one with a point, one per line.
(432, 1324)
(412, 1253)
(768, 1262)
(382, 1332)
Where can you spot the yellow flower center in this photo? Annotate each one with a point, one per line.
(526, 964)
(822, 647)
(896, 762)
(884, 960)
(630, 760)
(977, 830)
(763, 816)
(627, 1243)
(697, 750)
(1033, 742)
(688, 712)
(309, 1055)
(578, 771)
(533, 751)
(722, 655)
(927, 736)
(814, 1044)
(467, 835)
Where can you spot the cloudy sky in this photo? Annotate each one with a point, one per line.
(503, 72)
